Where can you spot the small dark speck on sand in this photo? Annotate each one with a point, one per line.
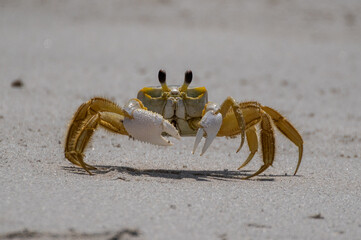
(317, 216)
(256, 225)
(284, 83)
(17, 83)
(223, 236)
(124, 232)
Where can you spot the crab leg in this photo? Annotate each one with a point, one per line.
(231, 105)
(268, 144)
(252, 141)
(288, 130)
(133, 120)
(87, 118)
(76, 155)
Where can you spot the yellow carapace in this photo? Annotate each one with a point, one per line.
(180, 111)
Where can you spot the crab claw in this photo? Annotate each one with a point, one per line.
(209, 126)
(147, 126)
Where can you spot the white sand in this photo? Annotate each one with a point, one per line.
(300, 57)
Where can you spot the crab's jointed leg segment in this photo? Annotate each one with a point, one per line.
(133, 120)
(252, 141)
(268, 144)
(288, 130)
(87, 118)
(254, 113)
(230, 106)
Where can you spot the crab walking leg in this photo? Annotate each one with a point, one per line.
(81, 116)
(288, 130)
(84, 113)
(74, 152)
(268, 144)
(84, 123)
(252, 141)
(228, 104)
(134, 120)
(241, 123)
(251, 112)
(210, 124)
(252, 117)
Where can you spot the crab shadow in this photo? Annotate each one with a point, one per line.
(202, 175)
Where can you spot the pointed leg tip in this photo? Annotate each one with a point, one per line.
(298, 166)
(240, 146)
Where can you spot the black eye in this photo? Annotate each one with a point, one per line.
(188, 77)
(161, 76)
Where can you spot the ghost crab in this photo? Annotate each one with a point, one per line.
(180, 111)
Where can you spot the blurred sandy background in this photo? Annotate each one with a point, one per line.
(301, 57)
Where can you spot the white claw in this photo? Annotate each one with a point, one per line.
(148, 127)
(198, 139)
(170, 129)
(210, 125)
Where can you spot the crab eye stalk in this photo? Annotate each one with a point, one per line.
(162, 77)
(188, 76)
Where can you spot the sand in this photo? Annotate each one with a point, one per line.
(302, 58)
